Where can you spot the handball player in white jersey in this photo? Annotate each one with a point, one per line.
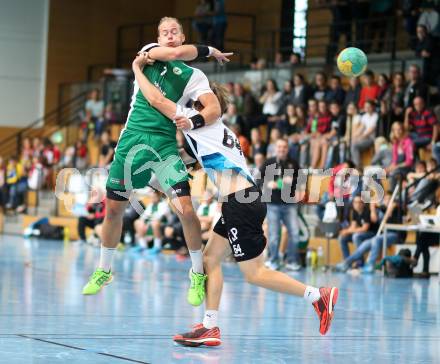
(239, 230)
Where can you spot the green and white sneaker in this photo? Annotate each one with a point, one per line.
(196, 291)
(97, 280)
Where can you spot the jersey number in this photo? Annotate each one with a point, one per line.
(230, 141)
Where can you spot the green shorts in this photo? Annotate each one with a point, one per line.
(138, 155)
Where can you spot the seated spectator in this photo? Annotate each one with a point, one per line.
(415, 86)
(80, 156)
(383, 153)
(374, 243)
(275, 134)
(360, 228)
(364, 132)
(296, 123)
(3, 186)
(96, 214)
(392, 104)
(270, 99)
(257, 144)
(51, 153)
(94, 117)
(259, 160)
(247, 106)
(286, 96)
(26, 152)
(353, 93)
(422, 125)
(37, 147)
(107, 150)
(110, 116)
(320, 88)
(244, 142)
(336, 93)
(36, 174)
(319, 129)
(384, 86)
(300, 94)
(335, 152)
(352, 120)
(206, 213)
(370, 90)
(403, 154)
(425, 186)
(203, 22)
(231, 117)
(131, 214)
(149, 224)
(173, 238)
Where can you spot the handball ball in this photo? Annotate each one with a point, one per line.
(352, 62)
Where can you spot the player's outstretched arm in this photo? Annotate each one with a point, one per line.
(187, 53)
(150, 92)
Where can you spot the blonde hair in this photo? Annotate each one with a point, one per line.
(169, 18)
(380, 141)
(392, 136)
(222, 94)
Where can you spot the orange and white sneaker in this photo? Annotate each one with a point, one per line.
(200, 335)
(325, 306)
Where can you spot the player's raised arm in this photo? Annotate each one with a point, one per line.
(187, 53)
(150, 92)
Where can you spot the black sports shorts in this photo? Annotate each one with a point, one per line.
(242, 224)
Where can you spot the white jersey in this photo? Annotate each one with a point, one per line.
(216, 148)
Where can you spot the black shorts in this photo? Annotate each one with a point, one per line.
(242, 225)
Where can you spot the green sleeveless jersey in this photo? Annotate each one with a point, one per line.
(177, 82)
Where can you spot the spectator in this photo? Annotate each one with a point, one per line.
(424, 191)
(244, 142)
(296, 123)
(352, 121)
(383, 153)
(430, 18)
(80, 156)
(279, 211)
(336, 150)
(320, 89)
(203, 22)
(403, 154)
(131, 214)
(380, 15)
(173, 237)
(319, 129)
(219, 24)
(94, 112)
(384, 86)
(364, 132)
(26, 152)
(37, 147)
(3, 186)
(51, 153)
(36, 174)
(353, 93)
(14, 173)
(247, 106)
(415, 87)
(275, 135)
(95, 216)
(422, 125)
(107, 149)
(259, 160)
(150, 223)
(231, 117)
(257, 144)
(336, 93)
(286, 96)
(427, 50)
(206, 213)
(392, 104)
(110, 116)
(370, 90)
(270, 99)
(360, 227)
(300, 94)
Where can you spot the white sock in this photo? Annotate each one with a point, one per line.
(312, 294)
(197, 260)
(142, 243)
(210, 319)
(157, 243)
(105, 261)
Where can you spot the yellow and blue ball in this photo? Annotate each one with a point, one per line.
(352, 62)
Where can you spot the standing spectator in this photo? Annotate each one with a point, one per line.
(320, 88)
(359, 228)
(279, 211)
(353, 93)
(203, 21)
(422, 125)
(219, 24)
(300, 94)
(403, 154)
(380, 14)
(95, 216)
(94, 112)
(427, 50)
(107, 149)
(370, 90)
(364, 132)
(14, 172)
(415, 87)
(336, 92)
